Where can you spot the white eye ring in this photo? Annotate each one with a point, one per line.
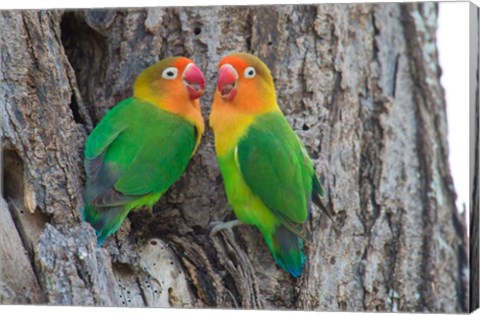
(249, 72)
(170, 73)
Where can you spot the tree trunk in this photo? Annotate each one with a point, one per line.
(358, 83)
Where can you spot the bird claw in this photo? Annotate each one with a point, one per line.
(217, 226)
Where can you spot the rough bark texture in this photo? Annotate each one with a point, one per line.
(358, 83)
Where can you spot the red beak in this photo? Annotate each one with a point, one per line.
(227, 82)
(194, 81)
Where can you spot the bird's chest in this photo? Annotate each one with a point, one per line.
(247, 206)
(229, 126)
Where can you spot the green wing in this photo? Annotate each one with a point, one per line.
(137, 149)
(276, 168)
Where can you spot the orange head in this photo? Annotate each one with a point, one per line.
(171, 79)
(245, 82)
(174, 84)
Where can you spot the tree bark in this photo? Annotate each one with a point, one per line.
(359, 84)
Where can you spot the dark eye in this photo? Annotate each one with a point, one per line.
(249, 72)
(170, 73)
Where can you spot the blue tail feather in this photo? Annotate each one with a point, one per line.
(105, 221)
(287, 249)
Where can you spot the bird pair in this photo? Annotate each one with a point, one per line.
(143, 145)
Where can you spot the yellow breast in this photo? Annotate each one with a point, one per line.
(229, 126)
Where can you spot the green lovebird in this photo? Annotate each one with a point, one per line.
(143, 144)
(269, 178)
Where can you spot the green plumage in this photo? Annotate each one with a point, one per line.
(270, 182)
(275, 168)
(132, 157)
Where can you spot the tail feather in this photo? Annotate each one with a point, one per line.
(287, 249)
(105, 221)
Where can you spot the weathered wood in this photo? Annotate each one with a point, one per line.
(21, 286)
(359, 83)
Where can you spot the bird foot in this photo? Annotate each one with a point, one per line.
(217, 226)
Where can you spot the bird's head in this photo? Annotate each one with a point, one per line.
(175, 78)
(244, 81)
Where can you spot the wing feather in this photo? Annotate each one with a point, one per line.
(135, 150)
(270, 159)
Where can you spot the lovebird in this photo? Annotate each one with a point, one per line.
(269, 178)
(143, 144)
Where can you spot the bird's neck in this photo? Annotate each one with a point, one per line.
(176, 102)
(230, 122)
